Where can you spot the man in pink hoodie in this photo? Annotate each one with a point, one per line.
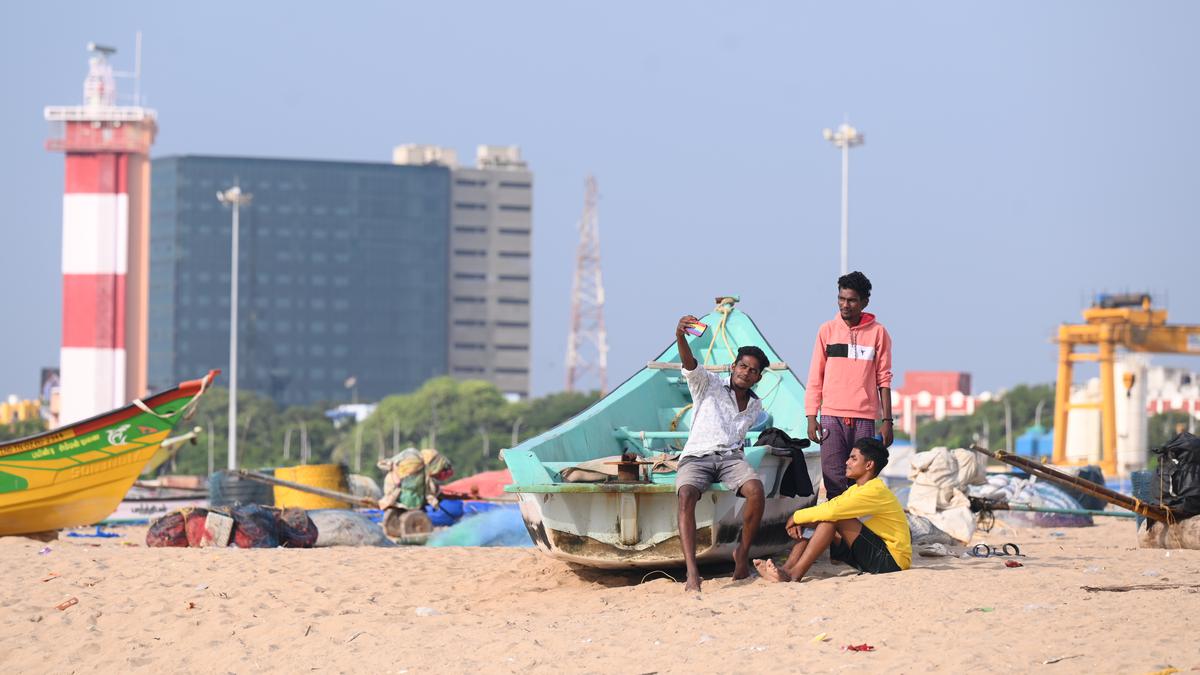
(849, 381)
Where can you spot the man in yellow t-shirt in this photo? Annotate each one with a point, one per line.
(864, 527)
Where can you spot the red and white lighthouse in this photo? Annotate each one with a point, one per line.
(106, 244)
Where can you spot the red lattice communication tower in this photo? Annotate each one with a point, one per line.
(587, 345)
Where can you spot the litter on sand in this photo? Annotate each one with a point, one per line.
(820, 637)
(69, 602)
(1012, 563)
(859, 648)
(98, 534)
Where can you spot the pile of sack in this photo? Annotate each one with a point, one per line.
(243, 525)
(940, 478)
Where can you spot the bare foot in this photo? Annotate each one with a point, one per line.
(768, 570)
(693, 584)
(741, 565)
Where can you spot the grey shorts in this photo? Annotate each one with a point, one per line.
(701, 472)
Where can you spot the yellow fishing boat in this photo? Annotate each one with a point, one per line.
(78, 474)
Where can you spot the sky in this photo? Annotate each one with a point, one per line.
(1019, 158)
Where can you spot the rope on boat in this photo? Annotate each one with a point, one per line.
(188, 410)
(724, 308)
(658, 572)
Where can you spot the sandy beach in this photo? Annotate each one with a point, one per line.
(511, 610)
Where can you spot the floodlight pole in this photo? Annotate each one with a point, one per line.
(845, 138)
(236, 198)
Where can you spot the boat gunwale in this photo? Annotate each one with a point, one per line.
(105, 419)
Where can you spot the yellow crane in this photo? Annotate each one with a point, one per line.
(1125, 320)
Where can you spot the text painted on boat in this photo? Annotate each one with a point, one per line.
(26, 446)
(102, 466)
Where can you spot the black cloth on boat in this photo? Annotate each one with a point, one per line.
(1177, 481)
(796, 482)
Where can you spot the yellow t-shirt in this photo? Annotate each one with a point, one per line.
(879, 510)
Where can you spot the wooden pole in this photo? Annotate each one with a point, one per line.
(332, 494)
(1151, 511)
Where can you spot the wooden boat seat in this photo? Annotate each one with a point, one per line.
(642, 440)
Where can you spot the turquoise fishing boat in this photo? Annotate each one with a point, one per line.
(630, 523)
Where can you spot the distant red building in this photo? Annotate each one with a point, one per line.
(936, 394)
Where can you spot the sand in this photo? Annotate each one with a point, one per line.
(513, 610)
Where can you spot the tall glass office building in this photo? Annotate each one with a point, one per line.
(343, 274)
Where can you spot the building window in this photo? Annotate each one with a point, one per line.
(472, 206)
(513, 348)
(513, 254)
(468, 369)
(469, 299)
(514, 184)
(470, 345)
(470, 229)
(513, 371)
(512, 324)
(514, 277)
(470, 322)
(467, 182)
(473, 252)
(514, 230)
(514, 207)
(470, 276)
(513, 301)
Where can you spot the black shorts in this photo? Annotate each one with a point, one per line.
(868, 553)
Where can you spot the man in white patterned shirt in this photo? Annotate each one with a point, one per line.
(722, 412)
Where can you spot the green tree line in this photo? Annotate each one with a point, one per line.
(986, 424)
(468, 421)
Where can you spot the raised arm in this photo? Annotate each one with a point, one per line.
(685, 351)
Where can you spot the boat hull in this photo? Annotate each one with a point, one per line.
(78, 474)
(638, 527)
(649, 416)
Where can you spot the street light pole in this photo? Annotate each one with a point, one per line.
(236, 198)
(845, 137)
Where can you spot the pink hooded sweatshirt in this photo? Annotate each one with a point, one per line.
(849, 365)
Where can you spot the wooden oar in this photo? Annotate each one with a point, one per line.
(1156, 512)
(332, 494)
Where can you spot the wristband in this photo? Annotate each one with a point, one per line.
(887, 419)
